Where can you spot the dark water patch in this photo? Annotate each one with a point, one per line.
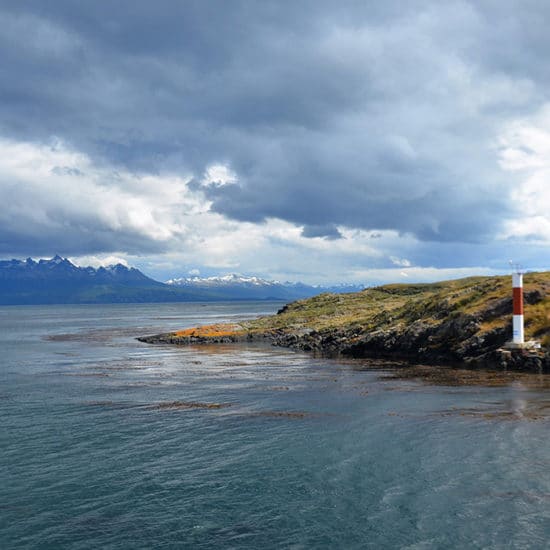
(405, 388)
(225, 537)
(477, 415)
(536, 413)
(102, 336)
(373, 364)
(113, 405)
(16, 508)
(167, 318)
(234, 349)
(185, 405)
(533, 496)
(131, 363)
(144, 385)
(233, 364)
(115, 368)
(281, 414)
(159, 406)
(62, 337)
(448, 376)
(90, 337)
(83, 374)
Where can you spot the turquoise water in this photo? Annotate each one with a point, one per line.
(293, 452)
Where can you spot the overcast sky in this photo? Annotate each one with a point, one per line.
(319, 141)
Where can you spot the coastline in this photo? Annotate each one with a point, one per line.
(330, 345)
(462, 323)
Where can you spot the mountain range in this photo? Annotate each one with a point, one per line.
(59, 281)
(238, 287)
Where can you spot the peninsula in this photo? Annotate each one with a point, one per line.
(464, 322)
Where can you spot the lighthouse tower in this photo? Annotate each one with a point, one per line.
(517, 323)
(518, 337)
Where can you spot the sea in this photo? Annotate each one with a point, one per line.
(110, 443)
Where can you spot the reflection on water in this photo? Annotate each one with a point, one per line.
(109, 442)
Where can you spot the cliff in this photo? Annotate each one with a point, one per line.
(461, 322)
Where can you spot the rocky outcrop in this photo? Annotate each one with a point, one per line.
(456, 342)
(462, 323)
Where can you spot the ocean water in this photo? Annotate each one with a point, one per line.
(110, 443)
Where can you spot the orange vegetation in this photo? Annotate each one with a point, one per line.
(210, 331)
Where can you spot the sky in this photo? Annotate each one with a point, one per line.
(315, 141)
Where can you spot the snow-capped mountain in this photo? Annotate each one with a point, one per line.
(231, 279)
(59, 281)
(61, 269)
(235, 286)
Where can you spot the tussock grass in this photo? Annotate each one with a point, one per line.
(397, 304)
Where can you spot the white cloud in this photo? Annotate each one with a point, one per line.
(524, 148)
(419, 274)
(219, 175)
(401, 262)
(57, 193)
(99, 261)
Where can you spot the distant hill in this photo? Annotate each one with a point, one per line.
(59, 281)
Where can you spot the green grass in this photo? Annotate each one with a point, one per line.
(401, 304)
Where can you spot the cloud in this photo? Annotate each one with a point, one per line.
(326, 231)
(250, 134)
(61, 201)
(58, 200)
(524, 147)
(218, 175)
(99, 261)
(401, 262)
(420, 274)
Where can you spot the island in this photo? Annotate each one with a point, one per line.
(464, 323)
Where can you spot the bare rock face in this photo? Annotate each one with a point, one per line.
(513, 360)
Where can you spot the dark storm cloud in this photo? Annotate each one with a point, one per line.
(363, 114)
(325, 231)
(71, 238)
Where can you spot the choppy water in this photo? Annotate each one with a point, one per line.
(110, 443)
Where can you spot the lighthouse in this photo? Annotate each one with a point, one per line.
(517, 322)
(518, 336)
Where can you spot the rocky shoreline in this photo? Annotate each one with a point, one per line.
(375, 346)
(463, 323)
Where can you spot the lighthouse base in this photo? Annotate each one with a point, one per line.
(531, 344)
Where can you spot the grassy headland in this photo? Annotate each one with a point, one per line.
(462, 321)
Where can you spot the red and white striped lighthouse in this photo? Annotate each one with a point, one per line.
(517, 326)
